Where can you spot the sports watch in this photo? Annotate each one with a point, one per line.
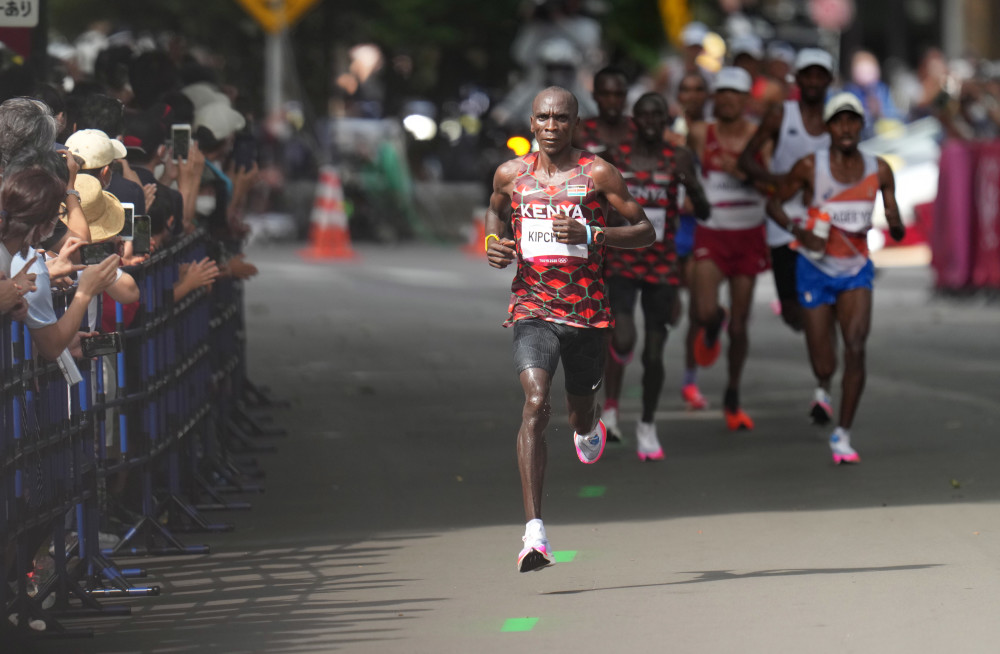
(599, 236)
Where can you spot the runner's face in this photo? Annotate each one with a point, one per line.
(845, 130)
(692, 94)
(609, 94)
(650, 119)
(813, 82)
(552, 122)
(729, 104)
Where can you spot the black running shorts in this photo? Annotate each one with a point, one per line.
(783, 262)
(541, 344)
(657, 300)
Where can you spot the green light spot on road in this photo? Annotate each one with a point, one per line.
(593, 491)
(565, 556)
(519, 624)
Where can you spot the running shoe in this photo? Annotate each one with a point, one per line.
(738, 420)
(706, 354)
(693, 397)
(589, 448)
(821, 410)
(649, 444)
(609, 416)
(536, 553)
(840, 445)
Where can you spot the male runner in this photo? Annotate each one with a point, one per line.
(547, 212)
(795, 128)
(730, 245)
(835, 279)
(653, 171)
(692, 95)
(610, 132)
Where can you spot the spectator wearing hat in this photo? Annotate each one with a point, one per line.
(145, 141)
(107, 114)
(97, 152)
(746, 51)
(32, 199)
(215, 127)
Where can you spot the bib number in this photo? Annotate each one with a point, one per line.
(539, 245)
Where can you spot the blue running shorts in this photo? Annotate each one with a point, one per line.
(684, 239)
(816, 288)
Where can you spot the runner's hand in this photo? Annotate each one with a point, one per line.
(897, 232)
(569, 231)
(810, 241)
(500, 252)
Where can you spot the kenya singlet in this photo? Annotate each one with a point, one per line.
(657, 193)
(850, 207)
(557, 282)
(590, 140)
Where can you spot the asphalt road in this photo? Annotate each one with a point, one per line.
(392, 514)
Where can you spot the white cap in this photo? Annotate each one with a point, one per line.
(694, 33)
(813, 57)
(733, 78)
(842, 102)
(748, 44)
(220, 119)
(95, 147)
(203, 93)
(781, 51)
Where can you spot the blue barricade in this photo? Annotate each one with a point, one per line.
(138, 442)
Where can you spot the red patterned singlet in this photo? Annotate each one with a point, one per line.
(656, 192)
(590, 140)
(556, 282)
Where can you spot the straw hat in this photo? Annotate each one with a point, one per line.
(104, 213)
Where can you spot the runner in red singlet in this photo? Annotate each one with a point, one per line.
(611, 132)
(730, 245)
(653, 171)
(547, 213)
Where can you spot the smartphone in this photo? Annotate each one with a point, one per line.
(244, 151)
(180, 141)
(140, 234)
(93, 253)
(100, 345)
(126, 233)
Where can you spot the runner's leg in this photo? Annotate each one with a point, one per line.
(854, 311)
(532, 454)
(741, 300)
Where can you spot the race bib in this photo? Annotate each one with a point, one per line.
(658, 217)
(850, 216)
(539, 245)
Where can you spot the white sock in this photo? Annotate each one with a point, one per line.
(534, 529)
(844, 434)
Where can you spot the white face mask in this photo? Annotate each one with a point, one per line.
(205, 204)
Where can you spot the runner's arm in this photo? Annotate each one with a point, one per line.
(799, 178)
(499, 244)
(639, 231)
(688, 176)
(768, 131)
(887, 184)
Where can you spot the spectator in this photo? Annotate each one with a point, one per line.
(866, 83)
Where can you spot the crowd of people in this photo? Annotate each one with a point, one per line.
(97, 181)
(754, 173)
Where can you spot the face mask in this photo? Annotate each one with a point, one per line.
(865, 73)
(205, 204)
(976, 112)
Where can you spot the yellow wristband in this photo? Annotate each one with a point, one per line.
(486, 243)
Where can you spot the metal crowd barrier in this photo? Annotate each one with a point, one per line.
(167, 419)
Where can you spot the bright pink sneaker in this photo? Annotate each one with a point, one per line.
(534, 556)
(649, 445)
(840, 445)
(590, 448)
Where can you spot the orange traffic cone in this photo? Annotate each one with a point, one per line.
(477, 233)
(328, 234)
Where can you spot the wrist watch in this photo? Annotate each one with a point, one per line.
(599, 236)
(73, 191)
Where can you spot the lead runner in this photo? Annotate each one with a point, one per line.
(547, 211)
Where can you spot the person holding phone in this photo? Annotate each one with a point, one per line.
(31, 201)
